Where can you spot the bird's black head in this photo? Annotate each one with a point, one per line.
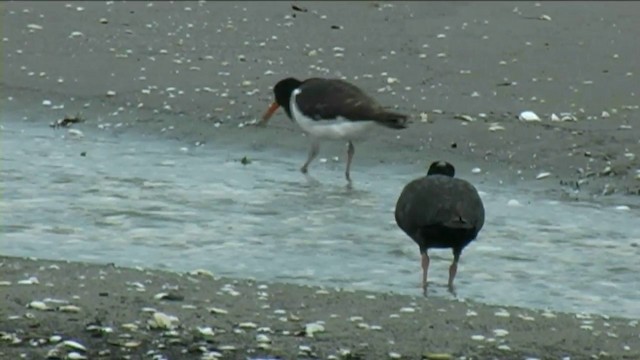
(441, 168)
(282, 91)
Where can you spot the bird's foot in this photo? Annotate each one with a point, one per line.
(452, 290)
(304, 170)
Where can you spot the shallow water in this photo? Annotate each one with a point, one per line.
(169, 204)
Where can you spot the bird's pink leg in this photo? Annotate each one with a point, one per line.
(453, 270)
(425, 270)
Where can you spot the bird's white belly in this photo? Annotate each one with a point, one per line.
(338, 129)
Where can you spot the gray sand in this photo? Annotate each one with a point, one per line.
(178, 69)
(116, 304)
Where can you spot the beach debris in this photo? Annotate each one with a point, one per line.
(67, 121)
(5, 283)
(495, 127)
(170, 296)
(543, 175)
(160, 320)
(437, 356)
(207, 331)
(548, 314)
(528, 116)
(201, 272)
(74, 345)
(513, 202)
(245, 160)
(545, 17)
(311, 328)
(471, 313)
(465, 118)
(39, 305)
(247, 325)
(218, 311)
(69, 309)
(297, 8)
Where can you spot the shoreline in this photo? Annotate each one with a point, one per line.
(96, 304)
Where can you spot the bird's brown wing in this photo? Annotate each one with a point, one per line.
(327, 99)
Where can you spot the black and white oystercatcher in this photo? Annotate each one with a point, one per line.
(330, 109)
(440, 211)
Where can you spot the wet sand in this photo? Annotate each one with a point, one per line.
(113, 312)
(199, 71)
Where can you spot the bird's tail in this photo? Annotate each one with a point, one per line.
(393, 120)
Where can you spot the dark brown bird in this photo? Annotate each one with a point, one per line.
(330, 109)
(440, 211)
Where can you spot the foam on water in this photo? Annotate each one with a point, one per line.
(138, 201)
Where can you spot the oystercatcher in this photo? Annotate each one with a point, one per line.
(440, 211)
(330, 109)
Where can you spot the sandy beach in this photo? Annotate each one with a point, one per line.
(202, 72)
(114, 312)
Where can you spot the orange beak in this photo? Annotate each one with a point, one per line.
(269, 113)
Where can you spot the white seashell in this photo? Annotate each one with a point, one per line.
(38, 305)
(262, 338)
(502, 313)
(545, 17)
(75, 133)
(304, 348)
(132, 344)
(356, 318)
(322, 292)
(567, 117)
(34, 27)
(75, 356)
(392, 80)
(199, 272)
(55, 339)
(129, 326)
(504, 347)
(313, 328)
(528, 116)
(407, 310)
(206, 331)
(554, 117)
(424, 117)
(513, 202)
(476, 170)
(496, 127)
(111, 93)
(74, 345)
(216, 310)
(395, 355)
(76, 34)
(162, 321)
(5, 283)
(471, 313)
(543, 175)
(46, 102)
(69, 308)
(605, 115)
(375, 327)
(623, 207)
(477, 337)
(500, 332)
(548, 315)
